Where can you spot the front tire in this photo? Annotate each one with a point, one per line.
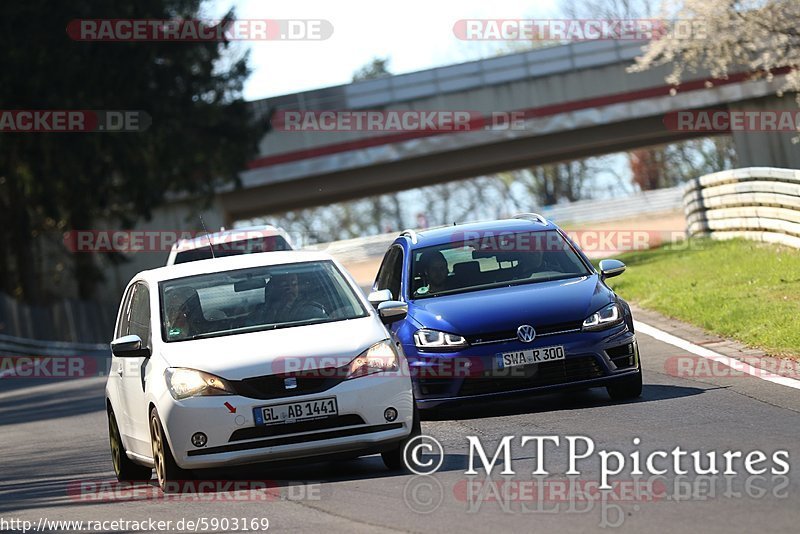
(393, 459)
(167, 470)
(124, 468)
(630, 388)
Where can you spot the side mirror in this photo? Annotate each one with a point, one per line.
(392, 311)
(129, 347)
(377, 297)
(611, 268)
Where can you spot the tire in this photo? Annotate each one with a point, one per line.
(630, 388)
(393, 459)
(125, 469)
(167, 471)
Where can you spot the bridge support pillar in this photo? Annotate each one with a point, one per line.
(767, 149)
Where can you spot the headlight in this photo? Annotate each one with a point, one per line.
(605, 318)
(379, 358)
(183, 383)
(433, 339)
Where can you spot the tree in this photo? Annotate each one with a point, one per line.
(671, 165)
(202, 131)
(377, 68)
(760, 35)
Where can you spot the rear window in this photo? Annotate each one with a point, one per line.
(234, 248)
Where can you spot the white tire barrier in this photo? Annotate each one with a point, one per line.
(757, 203)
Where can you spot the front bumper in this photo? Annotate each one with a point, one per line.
(235, 438)
(592, 359)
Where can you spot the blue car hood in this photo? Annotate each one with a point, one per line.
(505, 308)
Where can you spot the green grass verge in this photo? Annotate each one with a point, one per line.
(739, 289)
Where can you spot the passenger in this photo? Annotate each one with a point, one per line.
(184, 314)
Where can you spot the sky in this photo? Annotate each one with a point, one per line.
(414, 34)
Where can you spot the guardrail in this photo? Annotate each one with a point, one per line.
(615, 209)
(758, 203)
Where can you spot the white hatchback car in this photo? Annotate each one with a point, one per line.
(250, 240)
(253, 358)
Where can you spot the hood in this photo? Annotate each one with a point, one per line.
(239, 356)
(505, 308)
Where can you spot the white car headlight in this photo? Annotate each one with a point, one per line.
(605, 318)
(380, 357)
(433, 339)
(183, 383)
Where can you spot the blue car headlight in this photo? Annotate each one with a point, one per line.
(436, 340)
(607, 317)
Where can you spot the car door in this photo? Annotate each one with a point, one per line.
(390, 277)
(134, 376)
(117, 368)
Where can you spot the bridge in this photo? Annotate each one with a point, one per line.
(575, 101)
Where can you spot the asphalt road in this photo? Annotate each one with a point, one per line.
(56, 465)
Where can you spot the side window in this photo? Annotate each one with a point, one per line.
(391, 272)
(140, 314)
(124, 315)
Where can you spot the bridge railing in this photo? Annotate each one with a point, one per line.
(758, 203)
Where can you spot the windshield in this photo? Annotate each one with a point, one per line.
(233, 248)
(493, 259)
(261, 298)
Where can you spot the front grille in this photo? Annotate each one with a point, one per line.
(542, 374)
(505, 335)
(294, 440)
(274, 386)
(296, 428)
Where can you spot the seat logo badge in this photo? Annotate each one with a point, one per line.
(526, 333)
(290, 383)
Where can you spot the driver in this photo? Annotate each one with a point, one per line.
(284, 303)
(434, 271)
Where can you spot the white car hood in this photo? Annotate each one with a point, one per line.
(239, 356)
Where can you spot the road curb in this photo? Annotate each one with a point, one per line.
(716, 343)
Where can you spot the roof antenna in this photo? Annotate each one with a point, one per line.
(208, 236)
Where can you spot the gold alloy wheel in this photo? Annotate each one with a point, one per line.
(157, 441)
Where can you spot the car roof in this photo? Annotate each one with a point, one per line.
(231, 263)
(461, 232)
(224, 236)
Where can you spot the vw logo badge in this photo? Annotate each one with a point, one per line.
(290, 383)
(526, 333)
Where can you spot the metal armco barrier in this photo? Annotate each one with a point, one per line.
(758, 203)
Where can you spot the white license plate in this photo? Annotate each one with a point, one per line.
(527, 357)
(292, 412)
